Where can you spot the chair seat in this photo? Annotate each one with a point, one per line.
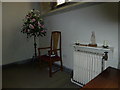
(47, 58)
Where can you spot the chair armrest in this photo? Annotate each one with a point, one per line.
(44, 48)
(54, 50)
(41, 49)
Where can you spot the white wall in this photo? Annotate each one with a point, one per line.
(15, 45)
(78, 24)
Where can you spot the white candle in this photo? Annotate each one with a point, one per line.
(105, 43)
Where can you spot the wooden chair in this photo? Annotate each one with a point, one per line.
(54, 52)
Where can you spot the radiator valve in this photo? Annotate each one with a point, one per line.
(105, 56)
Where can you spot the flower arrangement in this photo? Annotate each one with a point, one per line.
(33, 24)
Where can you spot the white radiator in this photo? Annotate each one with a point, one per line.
(88, 63)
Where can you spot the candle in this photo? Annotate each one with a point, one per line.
(105, 43)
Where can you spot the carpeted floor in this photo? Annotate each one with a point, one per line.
(34, 75)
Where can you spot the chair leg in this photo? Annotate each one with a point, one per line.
(61, 67)
(50, 69)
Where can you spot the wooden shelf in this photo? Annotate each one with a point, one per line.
(98, 48)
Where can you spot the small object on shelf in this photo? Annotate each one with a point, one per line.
(83, 45)
(105, 44)
(93, 40)
(77, 43)
(92, 45)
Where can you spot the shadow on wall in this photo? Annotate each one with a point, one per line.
(15, 46)
(107, 11)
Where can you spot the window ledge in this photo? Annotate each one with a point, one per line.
(70, 7)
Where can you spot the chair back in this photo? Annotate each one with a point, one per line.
(56, 40)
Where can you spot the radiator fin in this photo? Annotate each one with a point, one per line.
(87, 65)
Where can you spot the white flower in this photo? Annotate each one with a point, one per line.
(31, 10)
(35, 15)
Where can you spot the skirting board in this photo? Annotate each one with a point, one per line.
(17, 63)
(68, 70)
